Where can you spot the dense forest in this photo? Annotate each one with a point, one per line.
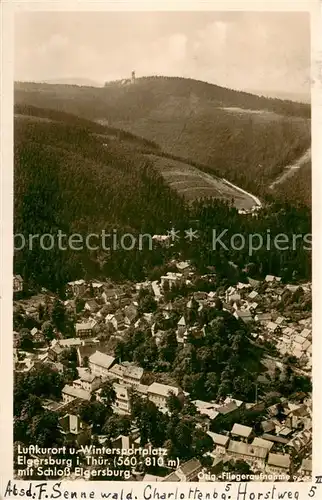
(246, 138)
(74, 176)
(66, 180)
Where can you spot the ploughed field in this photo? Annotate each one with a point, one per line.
(193, 184)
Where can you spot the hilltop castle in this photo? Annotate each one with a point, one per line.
(126, 81)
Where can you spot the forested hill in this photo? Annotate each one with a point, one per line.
(118, 101)
(245, 138)
(67, 179)
(75, 176)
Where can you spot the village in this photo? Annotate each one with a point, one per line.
(103, 313)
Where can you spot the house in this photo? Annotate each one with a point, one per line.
(109, 295)
(239, 403)
(306, 467)
(228, 408)
(70, 393)
(220, 441)
(92, 306)
(243, 286)
(37, 336)
(158, 393)
(122, 443)
(253, 306)
(243, 451)
(17, 283)
(156, 290)
(254, 283)
(171, 279)
(306, 333)
(99, 363)
(273, 327)
(122, 400)
(241, 431)
(88, 381)
(275, 439)
(117, 320)
(288, 332)
(55, 351)
(244, 314)
(130, 313)
(209, 412)
(116, 372)
(72, 426)
(188, 471)
(262, 443)
(271, 279)
(84, 329)
(183, 266)
(76, 287)
(72, 342)
(182, 326)
(280, 320)
(253, 294)
(301, 440)
(142, 390)
(278, 464)
(133, 375)
(24, 366)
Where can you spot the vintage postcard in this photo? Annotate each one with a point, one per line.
(158, 214)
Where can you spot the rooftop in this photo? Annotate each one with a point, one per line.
(83, 326)
(219, 439)
(247, 449)
(101, 359)
(278, 460)
(262, 443)
(135, 372)
(162, 389)
(76, 393)
(307, 464)
(190, 466)
(241, 430)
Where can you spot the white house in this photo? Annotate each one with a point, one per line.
(99, 363)
(158, 393)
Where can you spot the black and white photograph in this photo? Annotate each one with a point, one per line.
(162, 279)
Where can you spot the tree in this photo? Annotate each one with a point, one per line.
(174, 403)
(79, 304)
(168, 346)
(58, 316)
(94, 413)
(147, 304)
(44, 430)
(41, 312)
(48, 330)
(25, 340)
(218, 304)
(108, 394)
(201, 443)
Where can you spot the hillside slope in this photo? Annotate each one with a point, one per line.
(67, 180)
(248, 139)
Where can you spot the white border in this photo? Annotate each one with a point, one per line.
(7, 9)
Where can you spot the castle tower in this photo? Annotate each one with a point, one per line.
(133, 77)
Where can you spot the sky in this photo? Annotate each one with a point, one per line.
(259, 51)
